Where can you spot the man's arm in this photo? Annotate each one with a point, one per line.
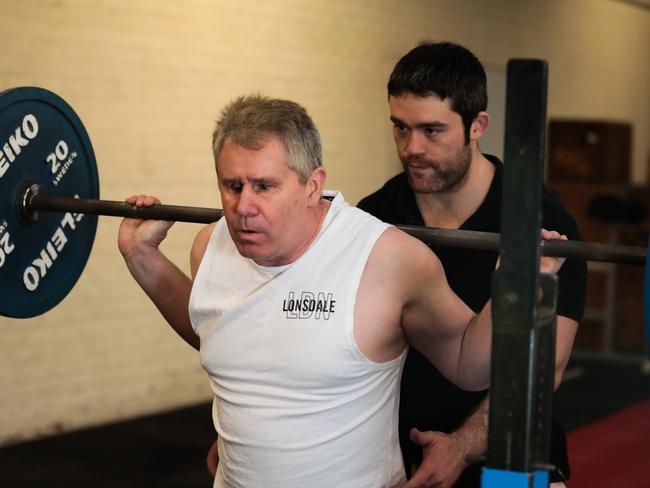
(163, 282)
(445, 456)
(566, 330)
(404, 298)
(444, 329)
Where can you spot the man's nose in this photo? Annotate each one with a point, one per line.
(415, 144)
(246, 203)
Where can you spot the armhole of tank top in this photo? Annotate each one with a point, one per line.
(205, 263)
(356, 274)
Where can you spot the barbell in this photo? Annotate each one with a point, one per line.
(49, 203)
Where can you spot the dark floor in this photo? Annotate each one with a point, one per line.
(160, 451)
(594, 387)
(168, 450)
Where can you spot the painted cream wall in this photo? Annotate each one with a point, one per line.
(148, 78)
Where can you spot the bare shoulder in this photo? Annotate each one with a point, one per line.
(405, 264)
(199, 246)
(399, 270)
(404, 254)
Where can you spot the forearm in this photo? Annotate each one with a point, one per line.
(476, 345)
(566, 329)
(472, 434)
(167, 287)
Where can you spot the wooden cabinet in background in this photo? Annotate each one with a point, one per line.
(586, 151)
(588, 163)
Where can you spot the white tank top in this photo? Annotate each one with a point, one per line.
(296, 403)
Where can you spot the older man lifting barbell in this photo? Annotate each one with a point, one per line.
(308, 396)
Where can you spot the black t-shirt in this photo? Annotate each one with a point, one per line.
(428, 400)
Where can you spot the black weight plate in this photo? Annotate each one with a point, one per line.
(42, 141)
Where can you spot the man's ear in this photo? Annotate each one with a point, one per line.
(316, 184)
(479, 126)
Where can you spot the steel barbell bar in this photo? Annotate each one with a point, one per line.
(33, 199)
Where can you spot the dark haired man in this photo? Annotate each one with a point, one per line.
(438, 99)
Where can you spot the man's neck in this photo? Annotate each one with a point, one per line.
(452, 208)
(314, 224)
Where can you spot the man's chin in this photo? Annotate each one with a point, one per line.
(420, 184)
(248, 249)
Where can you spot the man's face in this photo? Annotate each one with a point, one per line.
(264, 203)
(430, 142)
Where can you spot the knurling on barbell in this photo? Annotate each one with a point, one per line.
(49, 206)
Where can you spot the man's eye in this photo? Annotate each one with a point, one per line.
(400, 128)
(264, 186)
(432, 131)
(235, 187)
